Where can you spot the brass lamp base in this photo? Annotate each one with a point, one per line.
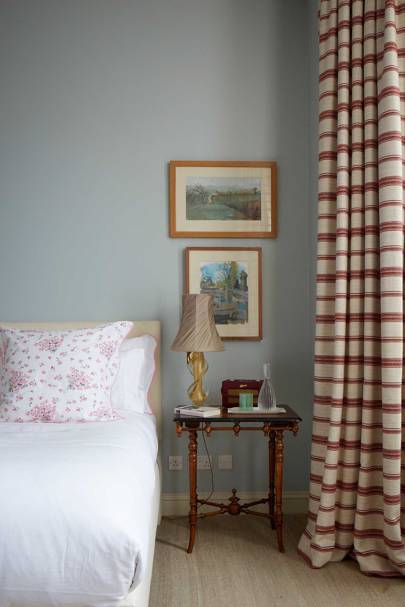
(198, 367)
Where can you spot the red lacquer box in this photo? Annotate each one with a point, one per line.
(231, 388)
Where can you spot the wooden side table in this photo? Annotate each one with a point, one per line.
(273, 427)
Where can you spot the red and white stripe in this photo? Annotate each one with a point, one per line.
(357, 490)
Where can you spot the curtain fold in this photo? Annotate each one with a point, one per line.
(357, 486)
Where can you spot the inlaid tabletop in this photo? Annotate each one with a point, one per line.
(257, 415)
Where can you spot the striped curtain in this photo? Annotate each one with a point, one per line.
(357, 490)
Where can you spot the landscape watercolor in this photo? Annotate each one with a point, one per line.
(223, 198)
(227, 282)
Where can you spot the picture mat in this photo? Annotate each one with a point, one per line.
(264, 174)
(251, 259)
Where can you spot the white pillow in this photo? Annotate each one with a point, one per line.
(59, 376)
(137, 367)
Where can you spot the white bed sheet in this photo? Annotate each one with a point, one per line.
(75, 510)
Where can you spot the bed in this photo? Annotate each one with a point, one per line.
(80, 504)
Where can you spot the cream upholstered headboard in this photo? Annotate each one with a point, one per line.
(141, 327)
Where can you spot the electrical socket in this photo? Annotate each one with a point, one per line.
(175, 462)
(225, 462)
(203, 462)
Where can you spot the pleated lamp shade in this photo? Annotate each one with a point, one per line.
(197, 332)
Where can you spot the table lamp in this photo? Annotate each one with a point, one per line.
(197, 334)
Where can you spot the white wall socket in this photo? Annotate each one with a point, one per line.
(225, 462)
(175, 462)
(203, 463)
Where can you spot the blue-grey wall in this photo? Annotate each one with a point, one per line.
(96, 97)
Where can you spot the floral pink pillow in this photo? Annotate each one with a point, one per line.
(59, 376)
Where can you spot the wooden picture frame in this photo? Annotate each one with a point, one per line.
(222, 199)
(233, 275)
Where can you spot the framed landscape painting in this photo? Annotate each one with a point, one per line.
(233, 276)
(223, 199)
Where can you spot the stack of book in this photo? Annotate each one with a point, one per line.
(198, 411)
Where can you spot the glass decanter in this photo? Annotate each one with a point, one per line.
(267, 396)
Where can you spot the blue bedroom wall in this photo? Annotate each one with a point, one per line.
(96, 97)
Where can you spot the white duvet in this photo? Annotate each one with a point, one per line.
(75, 502)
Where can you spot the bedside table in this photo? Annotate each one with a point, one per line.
(273, 427)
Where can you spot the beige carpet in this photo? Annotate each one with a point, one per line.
(235, 563)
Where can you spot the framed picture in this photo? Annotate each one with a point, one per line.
(220, 199)
(233, 276)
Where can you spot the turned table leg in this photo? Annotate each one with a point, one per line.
(272, 464)
(192, 471)
(279, 452)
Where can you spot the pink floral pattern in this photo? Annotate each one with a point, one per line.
(18, 380)
(50, 344)
(44, 412)
(59, 376)
(107, 348)
(78, 380)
